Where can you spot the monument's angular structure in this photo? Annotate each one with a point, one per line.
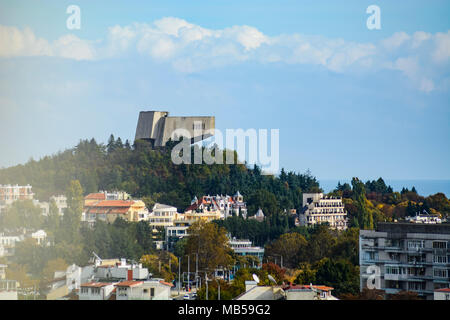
(158, 127)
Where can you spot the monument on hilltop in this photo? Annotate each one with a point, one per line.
(157, 127)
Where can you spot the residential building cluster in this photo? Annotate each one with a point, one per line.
(107, 279)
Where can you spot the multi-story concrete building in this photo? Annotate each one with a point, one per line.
(8, 244)
(61, 203)
(162, 215)
(244, 247)
(157, 127)
(10, 193)
(318, 208)
(405, 257)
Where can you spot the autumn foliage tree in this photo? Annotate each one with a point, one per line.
(210, 243)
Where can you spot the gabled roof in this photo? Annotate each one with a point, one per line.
(112, 203)
(95, 196)
(96, 284)
(166, 283)
(129, 283)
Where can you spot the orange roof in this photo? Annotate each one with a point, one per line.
(443, 290)
(166, 283)
(96, 284)
(129, 283)
(112, 203)
(95, 196)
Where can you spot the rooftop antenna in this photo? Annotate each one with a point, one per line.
(95, 255)
(272, 279)
(255, 277)
(312, 288)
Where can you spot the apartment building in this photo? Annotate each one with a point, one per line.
(162, 215)
(10, 193)
(244, 247)
(318, 208)
(405, 257)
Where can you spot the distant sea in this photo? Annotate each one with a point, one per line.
(423, 187)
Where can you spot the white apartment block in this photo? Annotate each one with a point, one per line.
(318, 208)
(10, 193)
(162, 215)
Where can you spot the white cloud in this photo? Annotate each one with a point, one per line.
(396, 40)
(422, 57)
(15, 42)
(442, 49)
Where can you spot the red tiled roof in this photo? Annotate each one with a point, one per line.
(193, 206)
(113, 203)
(96, 284)
(95, 196)
(443, 290)
(129, 283)
(166, 283)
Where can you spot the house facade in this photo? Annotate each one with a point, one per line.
(318, 208)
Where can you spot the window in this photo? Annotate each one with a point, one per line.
(416, 285)
(440, 273)
(84, 290)
(95, 291)
(440, 259)
(416, 244)
(122, 291)
(439, 244)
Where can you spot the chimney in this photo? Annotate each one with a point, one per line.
(130, 275)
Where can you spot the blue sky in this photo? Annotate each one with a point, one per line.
(348, 101)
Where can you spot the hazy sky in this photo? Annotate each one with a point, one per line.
(348, 101)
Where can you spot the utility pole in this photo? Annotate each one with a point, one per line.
(189, 280)
(196, 271)
(179, 274)
(206, 282)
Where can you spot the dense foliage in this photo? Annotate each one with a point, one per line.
(150, 174)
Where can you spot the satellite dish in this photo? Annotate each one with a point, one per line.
(255, 277)
(272, 279)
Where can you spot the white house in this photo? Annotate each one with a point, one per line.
(153, 289)
(442, 294)
(162, 215)
(39, 236)
(95, 291)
